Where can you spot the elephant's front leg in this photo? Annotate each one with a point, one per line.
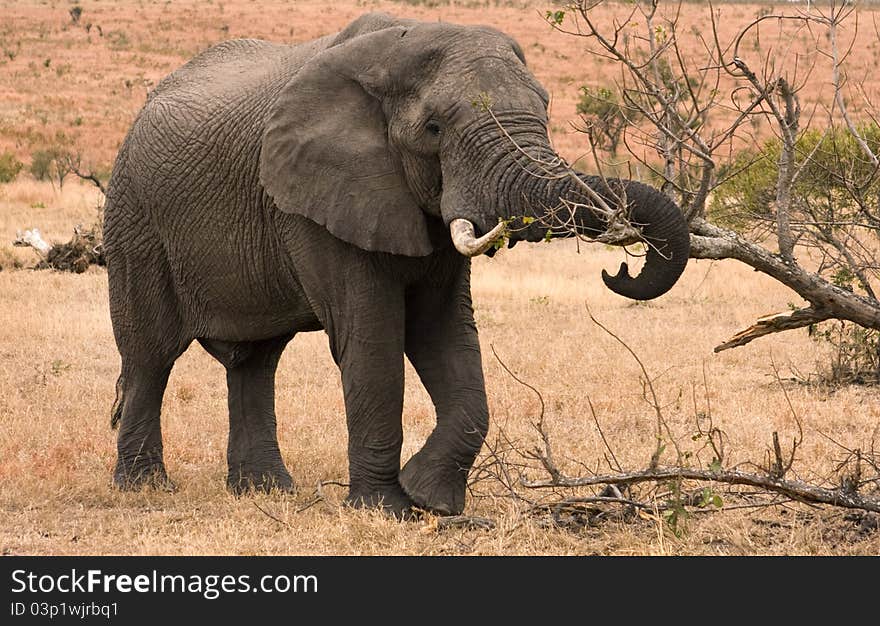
(442, 344)
(367, 344)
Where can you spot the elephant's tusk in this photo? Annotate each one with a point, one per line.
(465, 241)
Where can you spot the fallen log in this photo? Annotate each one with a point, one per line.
(85, 248)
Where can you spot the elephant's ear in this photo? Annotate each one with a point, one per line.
(325, 151)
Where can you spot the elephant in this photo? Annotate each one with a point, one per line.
(343, 185)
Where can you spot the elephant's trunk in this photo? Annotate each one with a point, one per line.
(530, 180)
(664, 232)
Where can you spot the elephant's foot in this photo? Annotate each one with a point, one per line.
(434, 485)
(390, 499)
(243, 479)
(133, 476)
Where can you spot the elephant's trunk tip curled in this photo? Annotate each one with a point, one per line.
(465, 240)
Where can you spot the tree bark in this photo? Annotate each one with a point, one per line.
(827, 300)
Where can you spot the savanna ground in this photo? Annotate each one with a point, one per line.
(58, 361)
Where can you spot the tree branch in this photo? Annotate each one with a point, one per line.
(794, 489)
(709, 241)
(774, 323)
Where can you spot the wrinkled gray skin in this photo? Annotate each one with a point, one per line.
(266, 190)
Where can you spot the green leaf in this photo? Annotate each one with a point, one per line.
(482, 101)
(660, 33)
(555, 17)
(715, 465)
(705, 496)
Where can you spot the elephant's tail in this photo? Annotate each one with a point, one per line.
(116, 411)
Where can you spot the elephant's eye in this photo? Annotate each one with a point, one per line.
(433, 128)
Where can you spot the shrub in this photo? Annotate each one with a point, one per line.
(9, 167)
(831, 160)
(855, 355)
(606, 116)
(43, 164)
(118, 40)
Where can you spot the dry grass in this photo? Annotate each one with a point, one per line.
(88, 85)
(58, 362)
(58, 365)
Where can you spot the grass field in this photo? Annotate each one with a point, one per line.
(58, 361)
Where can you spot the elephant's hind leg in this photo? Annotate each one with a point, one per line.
(253, 456)
(150, 337)
(139, 462)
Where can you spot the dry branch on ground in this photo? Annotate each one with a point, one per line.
(85, 248)
(668, 492)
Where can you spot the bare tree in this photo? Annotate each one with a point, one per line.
(72, 163)
(698, 104)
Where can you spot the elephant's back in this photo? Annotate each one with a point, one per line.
(186, 181)
(201, 123)
(211, 107)
(235, 68)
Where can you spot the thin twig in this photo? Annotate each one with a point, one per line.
(269, 515)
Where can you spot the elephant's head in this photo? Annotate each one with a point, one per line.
(404, 137)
